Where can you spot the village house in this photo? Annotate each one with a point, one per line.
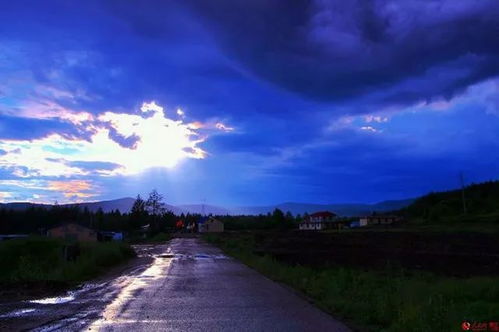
(318, 221)
(73, 232)
(210, 225)
(358, 223)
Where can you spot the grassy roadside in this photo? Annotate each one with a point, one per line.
(38, 259)
(390, 300)
(419, 227)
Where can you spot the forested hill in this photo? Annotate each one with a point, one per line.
(480, 199)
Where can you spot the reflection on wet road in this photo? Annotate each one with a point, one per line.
(189, 286)
(77, 308)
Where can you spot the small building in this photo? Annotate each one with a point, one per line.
(73, 232)
(378, 220)
(362, 222)
(318, 221)
(323, 216)
(210, 225)
(354, 224)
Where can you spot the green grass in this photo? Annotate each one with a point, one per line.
(487, 223)
(41, 259)
(417, 226)
(391, 300)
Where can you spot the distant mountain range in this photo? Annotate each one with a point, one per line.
(349, 209)
(125, 204)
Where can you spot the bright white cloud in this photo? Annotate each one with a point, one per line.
(152, 106)
(223, 127)
(158, 142)
(357, 123)
(65, 166)
(161, 142)
(369, 128)
(374, 118)
(32, 157)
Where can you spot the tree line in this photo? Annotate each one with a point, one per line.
(468, 203)
(151, 211)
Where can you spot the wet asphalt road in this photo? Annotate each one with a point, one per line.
(189, 286)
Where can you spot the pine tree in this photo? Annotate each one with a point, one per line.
(138, 214)
(139, 207)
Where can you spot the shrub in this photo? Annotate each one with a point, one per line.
(41, 259)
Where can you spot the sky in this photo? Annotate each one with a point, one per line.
(232, 102)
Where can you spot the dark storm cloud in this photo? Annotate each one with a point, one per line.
(87, 165)
(197, 53)
(330, 50)
(28, 129)
(265, 135)
(283, 74)
(115, 55)
(124, 141)
(365, 167)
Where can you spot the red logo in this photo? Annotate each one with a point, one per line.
(480, 326)
(493, 326)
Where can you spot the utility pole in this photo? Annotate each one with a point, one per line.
(462, 191)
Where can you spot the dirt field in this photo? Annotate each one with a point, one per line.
(452, 254)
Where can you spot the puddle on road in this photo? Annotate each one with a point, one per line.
(55, 300)
(195, 257)
(131, 284)
(71, 295)
(145, 250)
(210, 256)
(111, 313)
(202, 256)
(17, 313)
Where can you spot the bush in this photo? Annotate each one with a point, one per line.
(41, 259)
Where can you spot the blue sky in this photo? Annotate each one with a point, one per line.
(247, 103)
